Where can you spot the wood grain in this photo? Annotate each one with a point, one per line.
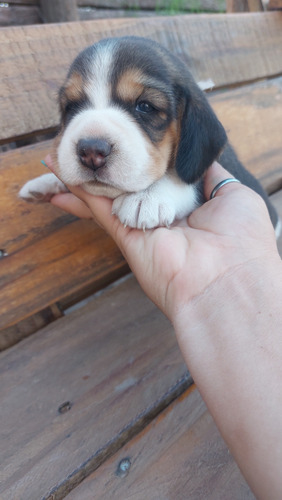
(118, 364)
(13, 15)
(13, 334)
(180, 455)
(244, 6)
(274, 4)
(24, 2)
(55, 11)
(50, 255)
(252, 116)
(34, 60)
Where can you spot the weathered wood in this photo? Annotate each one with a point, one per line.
(126, 4)
(58, 11)
(255, 6)
(244, 6)
(24, 2)
(118, 364)
(252, 116)
(50, 254)
(34, 60)
(236, 6)
(11, 15)
(274, 4)
(14, 334)
(180, 455)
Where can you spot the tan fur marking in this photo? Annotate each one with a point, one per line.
(74, 87)
(129, 86)
(162, 152)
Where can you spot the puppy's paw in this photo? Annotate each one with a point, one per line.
(143, 210)
(41, 189)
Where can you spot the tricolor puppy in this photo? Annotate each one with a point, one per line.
(136, 127)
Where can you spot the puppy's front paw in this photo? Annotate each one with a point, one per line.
(41, 189)
(143, 210)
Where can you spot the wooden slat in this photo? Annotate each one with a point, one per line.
(180, 455)
(50, 255)
(34, 60)
(77, 255)
(17, 14)
(116, 362)
(252, 116)
(244, 6)
(274, 4)
(55, 11)
(24, 2)
(15, 333)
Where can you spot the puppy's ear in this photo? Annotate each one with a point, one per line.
(202, 137)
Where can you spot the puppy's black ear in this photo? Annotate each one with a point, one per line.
(202, 137)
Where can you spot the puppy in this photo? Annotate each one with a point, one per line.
(136, 127)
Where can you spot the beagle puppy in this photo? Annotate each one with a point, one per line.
(136, 127)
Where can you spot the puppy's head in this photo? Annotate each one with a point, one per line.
(130, 111)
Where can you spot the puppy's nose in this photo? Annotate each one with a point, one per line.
(93, 152)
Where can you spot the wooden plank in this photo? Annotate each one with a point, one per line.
(252, 116)
(34, 60)
(12, 15)
(41, 241)
(236, 6)
(274, 4)
(24, 2)
(117, 364)
(14, 334)
(58, 11)
(179, 455)
(244, 6)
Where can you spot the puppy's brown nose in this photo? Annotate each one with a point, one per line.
(93, 152)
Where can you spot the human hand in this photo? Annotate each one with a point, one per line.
(175, 264)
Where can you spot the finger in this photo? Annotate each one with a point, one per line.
(49, 162)
(216, 174)
(71, 204)
(101, 210)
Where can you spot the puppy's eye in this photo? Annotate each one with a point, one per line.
(145, 107)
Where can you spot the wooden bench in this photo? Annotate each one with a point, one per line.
(95, 399)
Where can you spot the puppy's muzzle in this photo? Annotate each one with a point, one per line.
(93, 152)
